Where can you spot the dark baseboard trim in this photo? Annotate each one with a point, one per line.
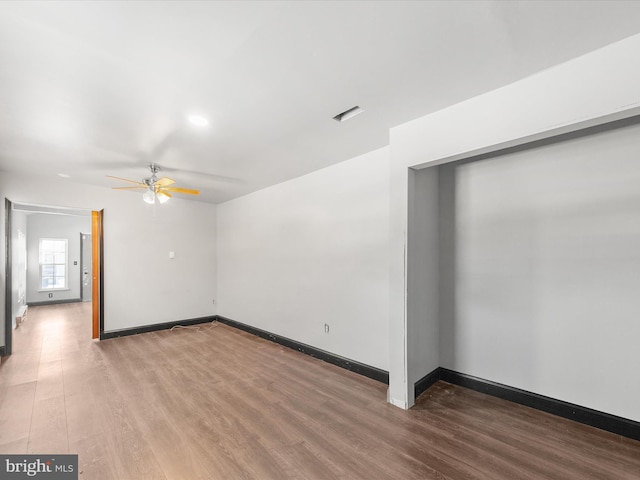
(357, 367)
(155, 327)
(587, 416)
(54, 302)
(425, 382)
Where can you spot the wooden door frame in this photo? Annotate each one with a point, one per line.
(97, 265)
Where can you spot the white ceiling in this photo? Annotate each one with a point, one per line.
(102, 88)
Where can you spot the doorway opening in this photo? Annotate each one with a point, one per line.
(53, 256)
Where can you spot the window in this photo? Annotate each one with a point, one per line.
(53, 263)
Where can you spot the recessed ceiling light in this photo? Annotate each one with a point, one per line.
(64, 175)
(198, 120)
(347, 114)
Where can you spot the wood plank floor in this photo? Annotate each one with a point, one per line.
(219, 403)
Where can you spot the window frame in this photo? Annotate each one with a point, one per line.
(42, 264)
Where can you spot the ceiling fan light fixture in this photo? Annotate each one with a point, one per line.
(155, 189)
(149, 197)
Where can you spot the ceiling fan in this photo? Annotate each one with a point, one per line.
(159, 189)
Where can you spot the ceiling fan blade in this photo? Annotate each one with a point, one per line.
(127, 180)
(130, 188)
(164, 182)
(180, 190)
(162, 192)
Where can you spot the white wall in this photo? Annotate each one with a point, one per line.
(547, 262)
(423, 309)
(19, 265)
(142, 286)
(604, 84)
(40, 225)
(311, 251)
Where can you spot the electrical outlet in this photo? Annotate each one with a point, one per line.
(51, 295)
(326, 328)
(214, 301)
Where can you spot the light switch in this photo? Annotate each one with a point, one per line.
(172, 254)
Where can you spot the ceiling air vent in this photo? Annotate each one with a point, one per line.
(347, 114)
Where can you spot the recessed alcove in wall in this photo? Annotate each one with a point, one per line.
(538, 268)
